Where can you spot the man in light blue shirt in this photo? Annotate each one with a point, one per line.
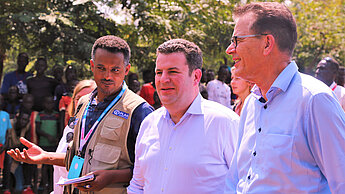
(187, 145)
(292, 128)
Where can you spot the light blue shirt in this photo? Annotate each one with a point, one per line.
(190, 157)
(5, 125)
(293, 143)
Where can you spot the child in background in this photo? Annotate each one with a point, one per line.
(5, 125)
(12, 103)
(47, 128)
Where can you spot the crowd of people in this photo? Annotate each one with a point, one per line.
(259, 127)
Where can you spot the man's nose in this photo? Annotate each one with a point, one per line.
(165, 77)
(231, 49)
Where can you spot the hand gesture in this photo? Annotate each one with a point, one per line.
(33, 155)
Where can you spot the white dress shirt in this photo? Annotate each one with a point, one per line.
(293, 143)
(339, 92)
(191, 157)
(219, 92)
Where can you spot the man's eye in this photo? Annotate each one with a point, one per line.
(158, 73)
(101, 68)
(115, 70)
(173, 72)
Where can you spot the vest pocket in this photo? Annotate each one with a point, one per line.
(112, 129)
(105, 157)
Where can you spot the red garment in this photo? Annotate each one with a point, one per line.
(63, 104)
(147, 91)
(2, 157)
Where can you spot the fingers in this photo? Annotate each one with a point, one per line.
(26, 142)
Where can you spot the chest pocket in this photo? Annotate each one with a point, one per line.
(105, 157)
(278, 148)
(112, 128)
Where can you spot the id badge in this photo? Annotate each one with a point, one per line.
(76, 166)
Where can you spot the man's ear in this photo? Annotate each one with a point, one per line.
(269, 44)
(197, 76)
(127, 68)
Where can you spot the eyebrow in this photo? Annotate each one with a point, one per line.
(172, 68)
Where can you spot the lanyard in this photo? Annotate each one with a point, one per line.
(83, 139)
(335, 85)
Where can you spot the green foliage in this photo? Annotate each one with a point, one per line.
(321, 31)
(64, 30)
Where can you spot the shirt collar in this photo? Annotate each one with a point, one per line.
(106, 99)
(282, 82)
(333, 86)
(194, 108)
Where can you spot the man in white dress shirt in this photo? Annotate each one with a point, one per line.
(187, 145)
(327, 71)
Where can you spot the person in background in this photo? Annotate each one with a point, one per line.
(84, 87)
(149, 88)
(40, 86)
(133, 83)
(18, 77)
(210, 75)
(57, 73)
(63, 93)
(66, 88)
(218, 90)
(5, 126)
(22, 172)
(292, 137)
(202, 84)
(242, 89)
(327, 72)
(47, 128)
(12, 102)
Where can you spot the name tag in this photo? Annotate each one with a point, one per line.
(121, 114)
(76, 166)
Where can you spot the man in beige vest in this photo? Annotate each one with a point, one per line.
(106, 124)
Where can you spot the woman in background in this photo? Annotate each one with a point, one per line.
(242, 89)
(82, 88)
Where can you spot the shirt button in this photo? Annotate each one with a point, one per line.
(162, 189)
(165, 169)
(259, 130)
(265, 107)
(254, 153)
(248, 177)
(170, 148)
(89, 126)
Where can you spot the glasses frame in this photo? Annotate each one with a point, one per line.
(234, 38)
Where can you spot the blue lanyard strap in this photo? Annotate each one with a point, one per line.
(85, 138)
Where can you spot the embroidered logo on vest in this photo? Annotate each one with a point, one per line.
(121, 114)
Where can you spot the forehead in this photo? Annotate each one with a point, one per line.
(171, 60)
(323, 63)
(104, 56)
(243, 24)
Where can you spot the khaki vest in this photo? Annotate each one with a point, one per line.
(108, 144)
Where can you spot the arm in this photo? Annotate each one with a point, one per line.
(326, 138)
(35, 155)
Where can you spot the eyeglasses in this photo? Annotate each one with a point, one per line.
(235, 38)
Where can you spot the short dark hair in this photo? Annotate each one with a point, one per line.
(112, 44)
(41, 59)
(23, 55)
(192, 52)
(272, 18)
(333, 64)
